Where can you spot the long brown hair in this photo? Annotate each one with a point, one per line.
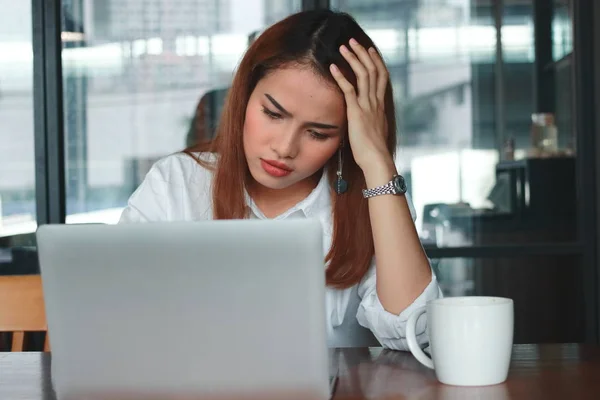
(308, 39)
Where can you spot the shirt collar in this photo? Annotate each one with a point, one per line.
(319, 198)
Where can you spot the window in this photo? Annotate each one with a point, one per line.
(134, 79)
(17, 160)
(465, 143)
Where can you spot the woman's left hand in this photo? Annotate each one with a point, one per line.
(367, 123)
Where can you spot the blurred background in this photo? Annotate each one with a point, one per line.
(486, 100)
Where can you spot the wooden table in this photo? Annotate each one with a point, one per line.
(555, 371)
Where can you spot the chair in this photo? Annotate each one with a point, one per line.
(22, 308)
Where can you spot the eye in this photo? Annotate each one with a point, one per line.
(318, 136)
(271, 114)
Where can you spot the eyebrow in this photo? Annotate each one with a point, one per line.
(289, 114)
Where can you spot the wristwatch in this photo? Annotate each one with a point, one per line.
(396, 186)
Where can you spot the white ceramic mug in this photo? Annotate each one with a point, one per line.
(470, 339)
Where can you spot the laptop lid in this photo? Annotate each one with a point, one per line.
(220, 307)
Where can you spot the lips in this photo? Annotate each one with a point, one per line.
(275, 168)
(278, 165)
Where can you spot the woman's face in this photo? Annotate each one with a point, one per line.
(294, 124)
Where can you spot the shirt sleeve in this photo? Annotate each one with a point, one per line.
(388, 328)
(150, 201)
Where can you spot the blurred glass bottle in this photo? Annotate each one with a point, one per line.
(509, 149)
(544, 135)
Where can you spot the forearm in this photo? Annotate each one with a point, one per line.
(403, 271)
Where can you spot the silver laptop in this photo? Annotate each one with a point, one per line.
(215, 307)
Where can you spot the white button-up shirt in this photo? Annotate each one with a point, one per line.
(177, 188)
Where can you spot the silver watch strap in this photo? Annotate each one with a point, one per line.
(388, 188)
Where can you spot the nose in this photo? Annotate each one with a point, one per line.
(286, 145)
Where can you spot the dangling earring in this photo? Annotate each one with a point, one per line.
(340, 184)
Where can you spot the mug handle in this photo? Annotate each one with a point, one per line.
(411, 338)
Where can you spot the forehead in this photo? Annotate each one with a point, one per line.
(303, 93)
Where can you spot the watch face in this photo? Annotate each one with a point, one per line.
(399, 184)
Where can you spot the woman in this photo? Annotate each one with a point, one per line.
(307, 125)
